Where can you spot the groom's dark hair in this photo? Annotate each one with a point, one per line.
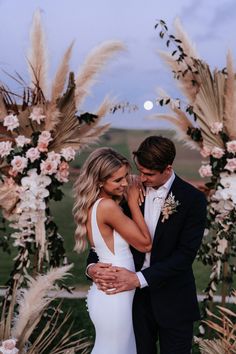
(155, 153)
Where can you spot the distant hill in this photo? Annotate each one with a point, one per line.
(187, 161)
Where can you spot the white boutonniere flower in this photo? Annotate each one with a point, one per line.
(169, 207)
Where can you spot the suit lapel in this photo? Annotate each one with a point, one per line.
(162, 226)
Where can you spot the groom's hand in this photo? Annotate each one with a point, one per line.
(116, 280)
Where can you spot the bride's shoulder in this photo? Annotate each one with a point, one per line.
(108, 204)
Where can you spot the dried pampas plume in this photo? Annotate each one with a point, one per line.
(37, 58)
(212, 96)
(33, 301)
(94, 63)
(60, 109)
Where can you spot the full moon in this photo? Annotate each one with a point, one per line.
(148, 105)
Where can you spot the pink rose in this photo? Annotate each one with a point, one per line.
(5, 148)
(9, 344)
(231, 146)
(54, 156)
(33, 154)
(48, 167)
(42, 146)
(19, 164)
(217, 152)
(9, 347)
(68, 153)
(45, 137)
(205, 151)
(216, 127)
(63, 172)
(11, 122)
(43, 141)
(205, 171)
(231, 165)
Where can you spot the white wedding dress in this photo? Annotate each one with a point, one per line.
(111, 314)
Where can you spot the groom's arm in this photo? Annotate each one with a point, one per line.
(184, 255)
(180, 260)
(92, 257)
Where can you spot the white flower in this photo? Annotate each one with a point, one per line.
(68, 153)
(205, 171)
(33, 180)
(28, 200)
(36, 184)
(217, 152)
(231, 146)
(5, 148)
(21, 140)
(226, 193)
(19, 164)
(216, 127)
(228, 180)
(37, 115)
(11, 122)
(33, 154)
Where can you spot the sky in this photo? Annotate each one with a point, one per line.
(134, 75)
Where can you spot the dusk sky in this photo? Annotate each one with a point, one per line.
(133, 75)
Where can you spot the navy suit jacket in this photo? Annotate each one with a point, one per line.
(176, 242)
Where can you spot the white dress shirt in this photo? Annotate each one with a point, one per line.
(154, 201)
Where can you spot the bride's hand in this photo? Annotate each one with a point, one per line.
(135, 190)
(97, 268)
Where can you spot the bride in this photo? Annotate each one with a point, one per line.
(99, 189)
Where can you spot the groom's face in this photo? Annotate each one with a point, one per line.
(153, 178)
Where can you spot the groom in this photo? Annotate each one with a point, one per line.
(165, 302)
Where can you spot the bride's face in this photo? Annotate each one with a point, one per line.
(115, 185)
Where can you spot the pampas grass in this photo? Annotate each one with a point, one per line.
(230, 99)
(32, 302)
(92, 66)
(60, 109)
(225, 328)
(59, 81)
(211, 94)
(37, 57)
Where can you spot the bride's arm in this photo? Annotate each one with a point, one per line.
(134, 194)
(135, 232)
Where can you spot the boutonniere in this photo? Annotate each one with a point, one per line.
(169, 207)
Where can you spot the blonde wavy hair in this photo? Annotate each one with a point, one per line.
(100, 165)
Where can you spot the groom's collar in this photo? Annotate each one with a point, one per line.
(166, 186)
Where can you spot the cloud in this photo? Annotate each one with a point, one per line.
(191, 8)
(224, 14)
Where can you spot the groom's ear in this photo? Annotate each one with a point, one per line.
(168, 170)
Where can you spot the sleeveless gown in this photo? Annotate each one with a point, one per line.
(111, 314)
